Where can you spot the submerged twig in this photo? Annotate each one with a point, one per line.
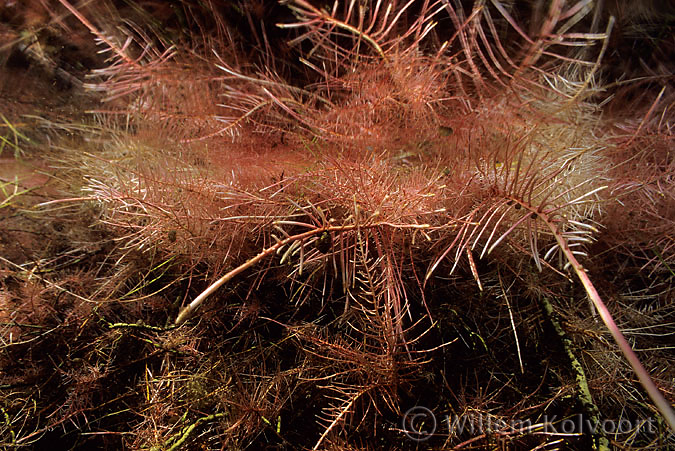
(601, 442)
(192, 306)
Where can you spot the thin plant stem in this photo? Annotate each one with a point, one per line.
(192, 306)
(652, 390)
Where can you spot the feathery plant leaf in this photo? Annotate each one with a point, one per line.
(536, 182)
(524, 178)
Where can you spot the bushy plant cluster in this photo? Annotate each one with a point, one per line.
(286, 225)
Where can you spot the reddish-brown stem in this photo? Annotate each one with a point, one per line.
(652, 390)
(97, 33)
(192, 306)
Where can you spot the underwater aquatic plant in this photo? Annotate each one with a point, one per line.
(312, 213)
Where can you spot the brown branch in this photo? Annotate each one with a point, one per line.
(192, 306)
